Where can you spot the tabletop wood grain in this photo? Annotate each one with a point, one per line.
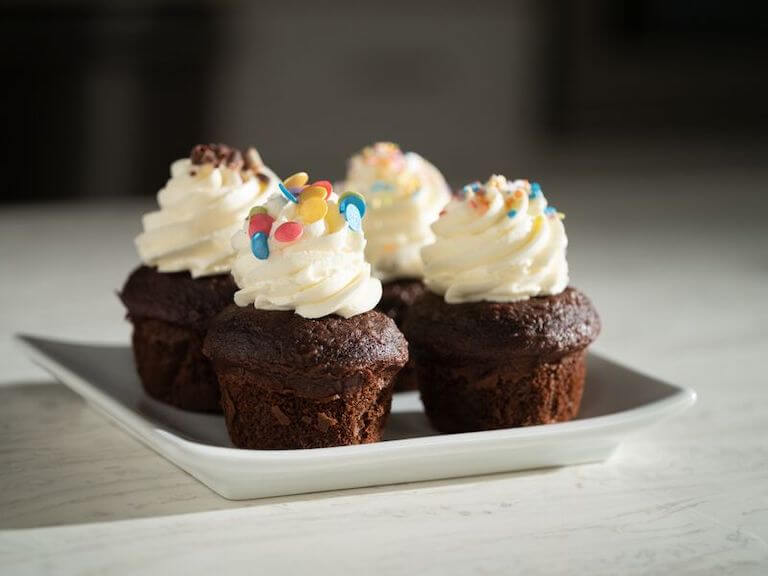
(680, 275)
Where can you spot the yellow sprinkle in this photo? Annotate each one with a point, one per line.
(313, 209)
(560, 216)
(537, 222)
(296, 180)
(334, 221)
(312, 192)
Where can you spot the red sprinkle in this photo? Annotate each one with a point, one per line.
(442, 212)
(325, 184)
(289, 231)
(260, 223)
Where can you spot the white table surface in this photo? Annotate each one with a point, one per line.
(677, 266)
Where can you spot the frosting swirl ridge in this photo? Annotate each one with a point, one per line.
(498, 242)
(200, 207)
(305, 253)
(405, 194)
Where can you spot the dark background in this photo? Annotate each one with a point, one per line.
(99, 98)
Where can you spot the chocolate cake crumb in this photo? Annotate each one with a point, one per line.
(324, 421)
(280, 416)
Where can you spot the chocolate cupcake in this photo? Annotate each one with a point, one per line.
(405, 195)
(500, 340)
(302, 359)
(185, 280)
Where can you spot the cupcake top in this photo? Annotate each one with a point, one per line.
(498, 242)
(304, 251)
(201, 206)
(405, 194)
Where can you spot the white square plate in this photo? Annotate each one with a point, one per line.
(617, 401)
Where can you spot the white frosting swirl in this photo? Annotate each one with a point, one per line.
(323, 272)
(201, 206)
(499, 243)
(405, 194)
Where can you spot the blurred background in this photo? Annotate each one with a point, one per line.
(100, 97)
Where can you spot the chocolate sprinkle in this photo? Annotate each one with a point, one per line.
(217, 154)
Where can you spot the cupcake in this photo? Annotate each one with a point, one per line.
(499, 340)
(184, 280)
(405, 195)
(302, 359)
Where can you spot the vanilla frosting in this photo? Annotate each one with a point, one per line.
(320, 273)
(201, 206)
(498, 242)
(405, 194)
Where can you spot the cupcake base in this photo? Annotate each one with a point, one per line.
(260, 417)
(172, 368)
(397, 296)
(170, 313)
(524, 392)
(490, 365)
(292, 382)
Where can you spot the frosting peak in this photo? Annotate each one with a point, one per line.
(201, 206)
(304, 251)
(405, 194)
(499, 242)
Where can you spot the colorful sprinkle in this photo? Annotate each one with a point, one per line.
(381, 186)
(550, 210)
(287, 193)
(471, 187)
(289, 231)
(334, 221)
(325, 184)
(296, 180)
(512, 213)
(353, 217)
(535, 190)
(313, 209)
(352, 198)
(257, 210)
(260, 223)
(313, 191)
(260, 246)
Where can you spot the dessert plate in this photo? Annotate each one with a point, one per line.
(617, 402)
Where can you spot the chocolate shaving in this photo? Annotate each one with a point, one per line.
(217, 155)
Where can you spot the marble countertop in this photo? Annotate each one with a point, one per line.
(678, 268)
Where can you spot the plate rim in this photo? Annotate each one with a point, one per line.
(680, 399)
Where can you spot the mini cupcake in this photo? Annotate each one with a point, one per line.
(185, 280)
(499, 340)
(302, 359)
(405, 194)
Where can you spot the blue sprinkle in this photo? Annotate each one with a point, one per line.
(352, 215)
(352, 199)
(535, 190)
(259, 246)
(550, 210)
(287, 193)
(381, 186)
(512, 213)
(471, 187)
